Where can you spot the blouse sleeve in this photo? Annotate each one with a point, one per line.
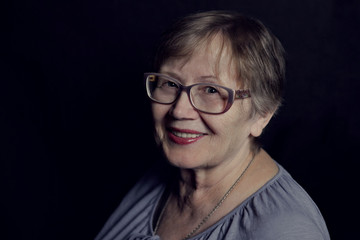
(289, 226)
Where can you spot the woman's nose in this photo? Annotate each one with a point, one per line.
(182, 108)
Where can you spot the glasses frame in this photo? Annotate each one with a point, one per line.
(233, 94)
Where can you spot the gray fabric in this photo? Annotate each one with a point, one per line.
(280, 210)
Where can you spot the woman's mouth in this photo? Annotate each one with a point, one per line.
(184, 136)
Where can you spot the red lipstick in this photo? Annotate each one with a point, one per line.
(184, 136)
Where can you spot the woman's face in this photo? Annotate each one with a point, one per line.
(195, 140)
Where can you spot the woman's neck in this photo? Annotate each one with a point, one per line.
(208, 185)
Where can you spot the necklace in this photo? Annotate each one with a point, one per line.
(205, 219)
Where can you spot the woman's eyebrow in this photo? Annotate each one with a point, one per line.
(204, 78)
(209, 78)
(172, 74)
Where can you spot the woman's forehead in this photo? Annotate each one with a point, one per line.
(211, 58)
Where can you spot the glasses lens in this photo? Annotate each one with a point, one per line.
(209, 98)
(161, 89)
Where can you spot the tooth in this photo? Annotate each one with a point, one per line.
(186, 135)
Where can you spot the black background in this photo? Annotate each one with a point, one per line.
(76, 131)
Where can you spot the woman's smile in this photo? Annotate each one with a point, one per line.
(184, 136)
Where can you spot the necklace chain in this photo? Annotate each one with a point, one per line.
(205, 219)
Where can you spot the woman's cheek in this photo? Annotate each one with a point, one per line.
(159, 112)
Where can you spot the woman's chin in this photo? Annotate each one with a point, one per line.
(188, 157)
(184, 162)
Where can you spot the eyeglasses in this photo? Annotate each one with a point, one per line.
(205, 97)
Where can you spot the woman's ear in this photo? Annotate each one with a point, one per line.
(259, 124)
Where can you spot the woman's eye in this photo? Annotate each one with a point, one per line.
(167, 84)
(210, 89)
(171, 84)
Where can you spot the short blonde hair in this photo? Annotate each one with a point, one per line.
(258, 54)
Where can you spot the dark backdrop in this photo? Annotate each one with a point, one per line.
(75, 129)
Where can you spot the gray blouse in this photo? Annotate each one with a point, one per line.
(280, 210)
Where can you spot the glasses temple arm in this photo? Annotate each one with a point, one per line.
(242, 94)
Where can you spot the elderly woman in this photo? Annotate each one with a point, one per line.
(218, 82)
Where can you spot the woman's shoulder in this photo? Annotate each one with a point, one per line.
(283, 193)
(281, 209)
(135, 212)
